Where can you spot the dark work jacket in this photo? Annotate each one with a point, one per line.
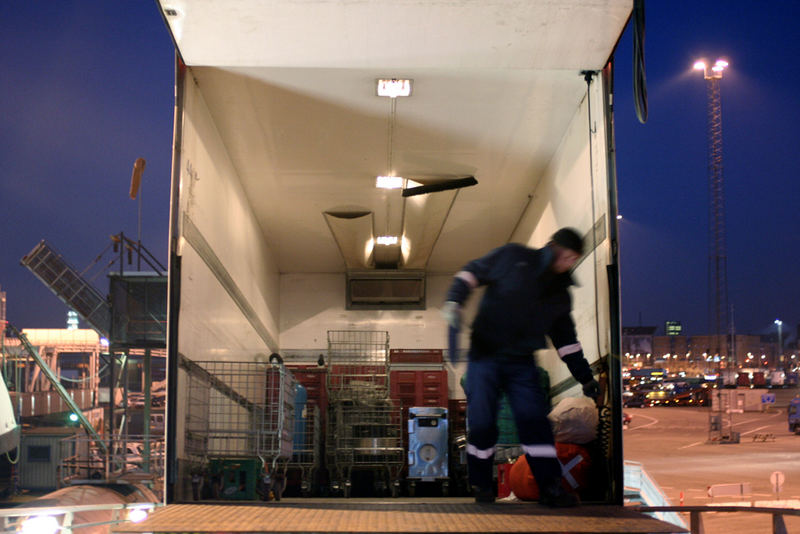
(524, 301)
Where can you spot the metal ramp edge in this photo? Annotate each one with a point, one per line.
(395, 516)
(641, 489)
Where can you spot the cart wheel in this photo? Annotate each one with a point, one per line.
(445, 488)
(412, 488)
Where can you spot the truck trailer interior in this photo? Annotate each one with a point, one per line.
(280, 135)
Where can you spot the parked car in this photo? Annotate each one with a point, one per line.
(634, 399)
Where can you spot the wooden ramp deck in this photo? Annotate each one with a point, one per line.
(394, 516)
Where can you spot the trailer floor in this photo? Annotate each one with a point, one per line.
(393, 515)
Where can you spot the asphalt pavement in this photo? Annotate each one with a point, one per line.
(674, 447)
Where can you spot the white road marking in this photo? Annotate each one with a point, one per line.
(653, 421)
(754, 430)
(691, 445)
(743, 422)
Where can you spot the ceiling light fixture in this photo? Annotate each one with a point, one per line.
(386, 240)
(393, 87)
(389, 182)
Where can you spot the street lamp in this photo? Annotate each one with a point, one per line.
(780, 340)
(716, 69)
(717, 255)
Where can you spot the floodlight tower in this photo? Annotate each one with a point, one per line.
(717, 256)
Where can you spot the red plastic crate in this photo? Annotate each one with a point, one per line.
(415, 356)
(420, 388)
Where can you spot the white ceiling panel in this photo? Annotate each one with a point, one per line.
(530, 34)
(291, 87)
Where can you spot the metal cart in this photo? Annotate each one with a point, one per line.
(240, 424)
(306, 454)
(358, 365)
(364, 429)
(365, 435)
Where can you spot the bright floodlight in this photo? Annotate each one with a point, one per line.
(778, 322)
(700, 65)
(137, 515)
(389, 182)
(721, 63)
(40, 524)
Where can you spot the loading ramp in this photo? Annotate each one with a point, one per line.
(454, 515)
(69, 285)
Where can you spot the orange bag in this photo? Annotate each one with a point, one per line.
(575, 463)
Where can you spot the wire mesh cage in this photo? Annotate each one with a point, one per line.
(365, 434)
(240, 409)
(358, 364)
(307, 449)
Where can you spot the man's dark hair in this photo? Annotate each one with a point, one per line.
(568, 238)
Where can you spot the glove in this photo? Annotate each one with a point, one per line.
(451, 311)
(591, 389)
(452, 345)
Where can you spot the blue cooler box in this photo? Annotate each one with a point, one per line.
(427, 443)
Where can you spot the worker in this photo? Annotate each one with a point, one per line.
(526, 299)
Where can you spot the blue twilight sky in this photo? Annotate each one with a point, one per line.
(86, 87)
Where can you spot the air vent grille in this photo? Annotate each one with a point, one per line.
(386, 289)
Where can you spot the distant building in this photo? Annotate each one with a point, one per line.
(703, 353)
(673, 328)
(638, 340)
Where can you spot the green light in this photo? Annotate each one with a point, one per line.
(73, 417)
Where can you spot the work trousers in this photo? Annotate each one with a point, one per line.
(518, 377)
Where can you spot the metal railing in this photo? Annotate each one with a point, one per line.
(126, 458)
(37, 403)
(67, 518)
(696, 518)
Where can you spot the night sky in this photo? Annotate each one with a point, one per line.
(87, 87)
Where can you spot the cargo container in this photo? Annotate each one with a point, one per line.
(283, 124)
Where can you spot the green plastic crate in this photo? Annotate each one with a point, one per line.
(237, 477)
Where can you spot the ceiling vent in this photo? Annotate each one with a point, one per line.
(386, 290)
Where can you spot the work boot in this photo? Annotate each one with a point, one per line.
(483, 495)
(555, 496)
